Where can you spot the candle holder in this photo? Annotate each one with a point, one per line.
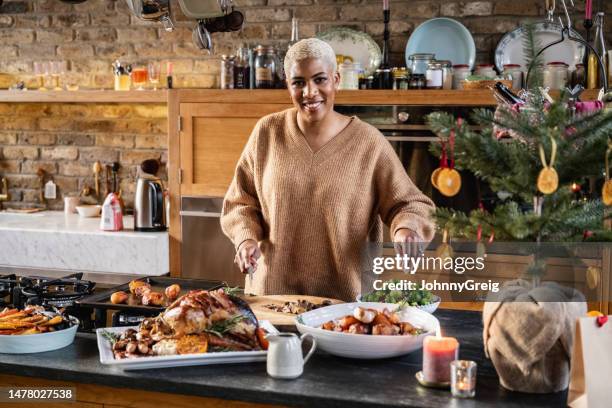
(463, 378)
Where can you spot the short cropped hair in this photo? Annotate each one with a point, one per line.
(310, 48)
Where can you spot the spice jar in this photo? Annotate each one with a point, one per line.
(460, 73)
(556, 75)
(123, 81)
(400, 78)
(227, 71)
(486, 70)
(265, 67)
(447, 74)
(434, 75)
(513, 72)
(417, 81)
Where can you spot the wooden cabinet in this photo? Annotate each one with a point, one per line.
(212, 138)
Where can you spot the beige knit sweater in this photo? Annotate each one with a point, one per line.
(312, 213)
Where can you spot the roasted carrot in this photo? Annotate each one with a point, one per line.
(261, 337)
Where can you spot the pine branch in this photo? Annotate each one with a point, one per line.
(533, 61)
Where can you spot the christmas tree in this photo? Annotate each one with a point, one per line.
(533, 156)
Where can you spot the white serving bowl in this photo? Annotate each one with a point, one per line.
(38, 343)
(429, 308)
(365, 346)
(88, 210)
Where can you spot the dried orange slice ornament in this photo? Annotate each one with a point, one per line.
(606, 192)
(449, 182)
(434, 177)
(548, 179)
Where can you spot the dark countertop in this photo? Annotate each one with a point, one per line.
(328, 381)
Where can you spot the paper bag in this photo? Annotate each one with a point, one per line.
(591, 365)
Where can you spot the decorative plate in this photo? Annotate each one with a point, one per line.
(510, 49)
(356, 44)
(448, 39)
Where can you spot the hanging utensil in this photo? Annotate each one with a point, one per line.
(550, 10)
(201, 37)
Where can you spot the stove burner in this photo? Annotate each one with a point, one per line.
(61, 292)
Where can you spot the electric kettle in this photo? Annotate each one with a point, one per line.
(149, 204)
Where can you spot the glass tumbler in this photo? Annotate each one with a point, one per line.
(154, 71)
(139, 77)
(463, 378)
(41, 69)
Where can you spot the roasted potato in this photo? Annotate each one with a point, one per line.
(151, 298)
(173, 291)
(135, 284)
(118, 298)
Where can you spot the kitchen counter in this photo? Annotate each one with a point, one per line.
(328, 381)
(53, 240)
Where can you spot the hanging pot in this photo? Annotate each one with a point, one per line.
(201, 37)
(153, 10)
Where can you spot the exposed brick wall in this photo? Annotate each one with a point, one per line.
(92, 34)
(65, 140)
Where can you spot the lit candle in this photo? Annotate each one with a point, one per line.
(463, 378)
(588, 10)
(438, 353)
(385, 4)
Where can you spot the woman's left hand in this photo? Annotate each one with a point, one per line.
(408, 242)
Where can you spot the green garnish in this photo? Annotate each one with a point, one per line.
(221, 327)
(111, 337)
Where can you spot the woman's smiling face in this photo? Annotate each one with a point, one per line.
(313, 84)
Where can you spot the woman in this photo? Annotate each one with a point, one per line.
(312, 187)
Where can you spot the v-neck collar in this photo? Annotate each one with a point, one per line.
(325, 151)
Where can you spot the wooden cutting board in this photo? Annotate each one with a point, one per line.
(257, 303)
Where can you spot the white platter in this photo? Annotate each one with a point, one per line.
(181, 360)
(510, 49)
(356, 44)
(364, 346)
(38, 343)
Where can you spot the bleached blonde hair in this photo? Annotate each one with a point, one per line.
(310, 48)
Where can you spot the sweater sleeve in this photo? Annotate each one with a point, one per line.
(241, 216)
(401, 204)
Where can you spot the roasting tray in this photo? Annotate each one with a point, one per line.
(158, 284)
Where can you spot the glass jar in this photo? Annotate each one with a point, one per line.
(123, 80)
(361, 79)
(227, 71)
(460, 74)
(383, 78)
(400, 78)
(265, 67)
(348, 76)
(486, 70)
(434, 75)
(418, 63)
(513, 73)
(447, 74)
(556, 75)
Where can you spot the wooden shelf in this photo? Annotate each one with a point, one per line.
(85, 96)
(279, 96)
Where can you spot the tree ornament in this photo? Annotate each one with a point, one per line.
(480, 247)
(444, 250)
(449, 179)
(606, 193)
(548, 179)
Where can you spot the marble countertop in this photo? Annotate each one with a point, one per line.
(327, 382)
(54, 240)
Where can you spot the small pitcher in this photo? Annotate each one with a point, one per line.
(285, 358)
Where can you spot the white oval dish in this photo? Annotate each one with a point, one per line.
(365, 346)
(38, 343)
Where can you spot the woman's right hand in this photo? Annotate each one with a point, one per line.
(247, 255)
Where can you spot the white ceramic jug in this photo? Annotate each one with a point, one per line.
(285, 358)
